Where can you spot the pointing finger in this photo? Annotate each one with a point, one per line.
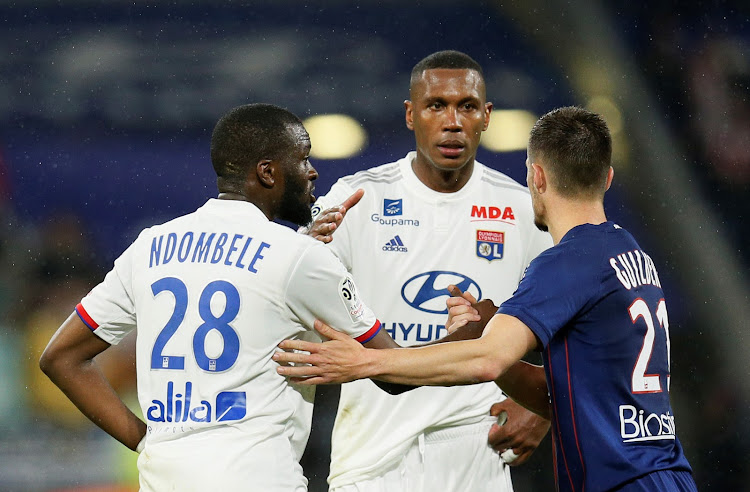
(454, 291)
(352, 200)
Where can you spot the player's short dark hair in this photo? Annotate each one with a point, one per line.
(576, 146)
(248, 134)
(444, 59)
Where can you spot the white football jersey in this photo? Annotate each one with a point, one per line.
(212, 294)
(404, 244)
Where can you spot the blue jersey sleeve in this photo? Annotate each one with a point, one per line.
(556, 286)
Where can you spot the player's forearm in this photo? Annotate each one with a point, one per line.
(85, 385)
(469, 331)
(341, 359)
(448, 364)
(504, 341)
(68, 361)
(527, 385)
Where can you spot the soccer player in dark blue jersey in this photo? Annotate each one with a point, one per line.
(593, 303)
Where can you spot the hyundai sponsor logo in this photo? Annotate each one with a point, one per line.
(428, 291)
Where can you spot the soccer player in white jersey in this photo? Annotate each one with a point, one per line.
(592, 303)
(212, 293)
(433, 218)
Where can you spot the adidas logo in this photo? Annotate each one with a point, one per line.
(395, 244)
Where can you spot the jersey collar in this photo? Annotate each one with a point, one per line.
(217, 206)
(419, 188)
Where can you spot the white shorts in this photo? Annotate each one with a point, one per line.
(268, 466)
(457, 459)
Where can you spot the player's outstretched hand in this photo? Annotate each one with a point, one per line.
(339, 360)
(464, 308)
(517, 438)
(330, 219)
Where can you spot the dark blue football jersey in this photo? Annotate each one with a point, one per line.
(596, 304)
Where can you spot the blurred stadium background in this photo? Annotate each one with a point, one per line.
(107, 110)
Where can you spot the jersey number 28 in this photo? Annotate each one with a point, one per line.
(230, 351)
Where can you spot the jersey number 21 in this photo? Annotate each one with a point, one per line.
(642, 382)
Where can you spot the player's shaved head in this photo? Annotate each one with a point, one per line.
(448, 59)
(576, 148)
(246, 135)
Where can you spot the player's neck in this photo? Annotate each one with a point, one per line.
(442, 180)
(230, 195)
(264, 206)
(567, 214)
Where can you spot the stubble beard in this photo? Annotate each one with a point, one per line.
(539, 221)
(294, 206)
(540, 225)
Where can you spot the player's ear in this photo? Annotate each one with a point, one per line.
(610, 177)
(265, 170)
(409, 114)
(487, 110)
(539, 178)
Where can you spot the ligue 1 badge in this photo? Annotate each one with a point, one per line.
(490, 245)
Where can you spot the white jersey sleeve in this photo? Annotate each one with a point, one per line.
(320, 287)
(111, 303)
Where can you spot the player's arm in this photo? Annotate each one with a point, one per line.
(68, 361)
(504, 341)
(469, 331)
(527, 385)
(466, 331)
(523, 382)
(327, 221)
(524, 428)
(382, 340)
(466, 317)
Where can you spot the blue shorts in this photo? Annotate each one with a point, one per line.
(663, 481)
